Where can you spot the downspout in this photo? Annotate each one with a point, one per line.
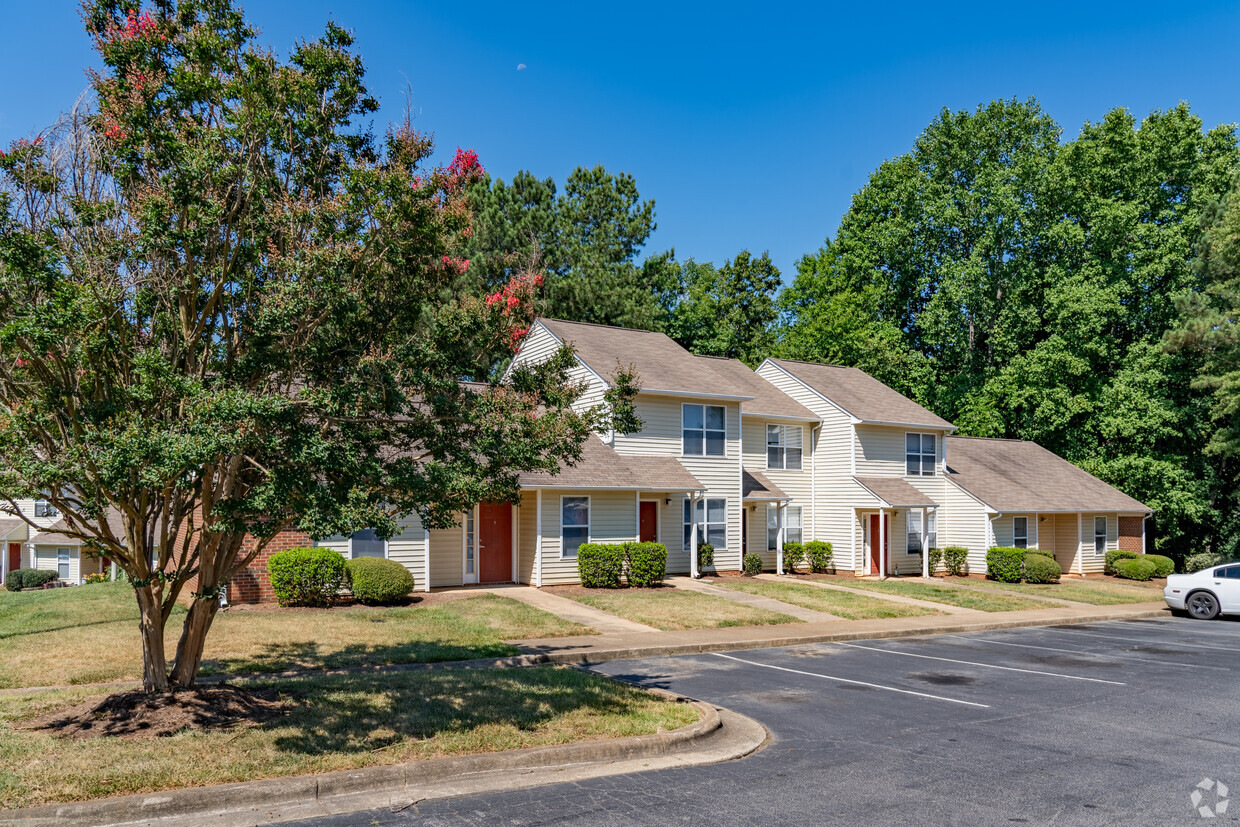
(882, 543)
(538, 540)
(693, 537)
(426, 557)
(779, 537)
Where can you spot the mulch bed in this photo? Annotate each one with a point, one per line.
(417, 600)
(135, 714)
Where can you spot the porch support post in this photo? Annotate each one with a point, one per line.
(538, 539)
(779, 537)
(637, 517)
(882, 544)
(693, 537)
(426, 559)
(925, 546)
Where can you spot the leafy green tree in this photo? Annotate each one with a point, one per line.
(726, 311)
(223, 313)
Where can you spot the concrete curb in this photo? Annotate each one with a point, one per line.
(399, 786)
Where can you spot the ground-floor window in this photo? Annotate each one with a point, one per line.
(1100, 535)
(470, 545)
(712, 515)
(62, 563)
(914, 531)
(1020, 532)
(366, 543)
(792, 525)
(574, 524)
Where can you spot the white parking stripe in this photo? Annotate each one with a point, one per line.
(1147, 641)
(847, 680)
(1183, 625)
(985, 665)
(1095, 654)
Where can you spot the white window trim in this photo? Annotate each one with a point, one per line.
(702, 533)
(1106, 532)
(386, 544)
(589, 520)
(703, 406)
(467, 577)
(1026, 537)
(68, 551)
(932, 535)
(783, 444)
(772, 508)
(48, 509)
(658, 517)
(922, 455)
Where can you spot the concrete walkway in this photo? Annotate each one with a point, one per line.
(754, 600)
(894, 598)
(604, 622)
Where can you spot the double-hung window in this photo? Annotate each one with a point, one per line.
(914, 531)
(1100, 535)
(703, 431)
(63, 556)
(42, 508)
(712, 518)
(919, 455)
(1020, 532)
(792, 525)
(366, 543)
(574, 524)
(783, 447)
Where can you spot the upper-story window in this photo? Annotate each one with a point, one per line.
(703, 430)
(42, 508)
(919, 455)
(783, 447)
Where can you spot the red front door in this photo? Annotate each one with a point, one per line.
(874, 540)
(495, 542)
(15, 556)
(648, 529)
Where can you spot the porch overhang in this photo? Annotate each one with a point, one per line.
(893, 492)
(756, 488)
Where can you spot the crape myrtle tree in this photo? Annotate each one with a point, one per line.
(225, 310)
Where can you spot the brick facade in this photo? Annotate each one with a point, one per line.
(251, 585)
(1131, 530)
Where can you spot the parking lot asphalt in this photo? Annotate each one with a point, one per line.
(1105, 723)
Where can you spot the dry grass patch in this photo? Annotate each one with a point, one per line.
(331, 723)
(53, 640)
(841, 604)
(950, 595)
(1098, 593)
(671, 609)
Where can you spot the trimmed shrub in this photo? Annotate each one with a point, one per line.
(38, 578)
(1041, 568)
(706, 556)
(752, 564)
(306, 576)
(376, 581)
(647, 564)
(600, 565)
(1040, 551)
(936, 558)
(1164, 565)
(956, 560)
(819, 556)
(794, 556)
(15, 582)
(1005, 564)
(1204, 560)
(1108, 565)
(1134, 568)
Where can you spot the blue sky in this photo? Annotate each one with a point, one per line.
(750, 126)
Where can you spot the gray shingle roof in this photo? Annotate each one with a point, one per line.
(896, 492)
(861, 395)
(755, 486)
(602, 467)
(768, 400)
(10, 524)
(1014, 475)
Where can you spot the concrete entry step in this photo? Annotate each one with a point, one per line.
(756, 601)
(946, 608)
(604, 622)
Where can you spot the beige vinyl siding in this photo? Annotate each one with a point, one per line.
(1067, 542)
(407, 548)
(1091, 562)
(796, 484)
(45, 557)
(880, 449)
(540, 344)
(613, 519)
(26, 508)
(527, 536)
(446, 556)
(963, 522)
(1005, 529)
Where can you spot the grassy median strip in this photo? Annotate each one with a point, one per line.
(1080, 591)
(669, 609)
(935, 593)
(841, 604)
(73, 636)
(331, 723)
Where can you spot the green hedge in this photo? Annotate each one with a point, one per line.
(1041, 568)
(1040, 551)
(1108, 565)
(794, 556)
(306, 576)
(752, 564)
(1204, 560)
(376, 581)
(1135, 568)
(956, 560)
(1005, 564)
(600, 565)
(1163, 565)
(936, 558)
(706, 556)
(819, 555)
(19, 579)
(647, 563)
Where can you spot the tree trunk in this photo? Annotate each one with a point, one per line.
(193, 637)
(151, 625)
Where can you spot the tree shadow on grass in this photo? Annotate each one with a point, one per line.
(476, 709)
(282, 657)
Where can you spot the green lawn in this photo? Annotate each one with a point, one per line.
(1081, 591)
(935, 593)
(831, 601)
(89, 634)
(670, 609)
(335, 722)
